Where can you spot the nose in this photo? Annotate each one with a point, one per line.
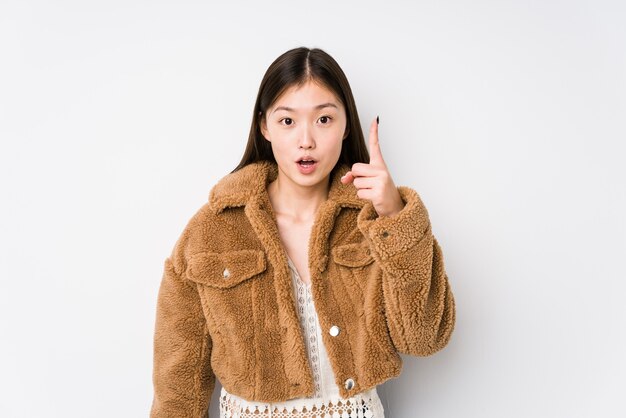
(306, 138)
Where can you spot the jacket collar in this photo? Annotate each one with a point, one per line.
(249, 184)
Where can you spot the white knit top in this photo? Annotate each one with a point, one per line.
(326, 402)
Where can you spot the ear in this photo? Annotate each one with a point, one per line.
(345, 135)
(263, 126)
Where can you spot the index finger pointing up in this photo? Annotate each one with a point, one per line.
(376, 156)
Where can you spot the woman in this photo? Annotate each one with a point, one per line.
(306, 273)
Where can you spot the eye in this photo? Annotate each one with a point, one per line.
(326, 118)
(289, 119)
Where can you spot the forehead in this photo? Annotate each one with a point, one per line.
(307, 96)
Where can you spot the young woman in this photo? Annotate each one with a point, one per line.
(306, 273)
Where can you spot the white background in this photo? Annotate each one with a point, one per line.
(508, 117)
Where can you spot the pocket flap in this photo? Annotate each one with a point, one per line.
(225, 269)
(352, 255)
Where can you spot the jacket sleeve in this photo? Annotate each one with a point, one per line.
(418, 301)
(182, 376)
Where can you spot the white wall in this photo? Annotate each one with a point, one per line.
(116, 118)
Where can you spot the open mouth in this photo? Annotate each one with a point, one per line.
(306, 165)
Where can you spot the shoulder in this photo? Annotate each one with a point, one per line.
(218, 224)
(192, 239)
(205, 225)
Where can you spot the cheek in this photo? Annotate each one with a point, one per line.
(331, 133)
(279, 137)
(334, 136)
(281, 146)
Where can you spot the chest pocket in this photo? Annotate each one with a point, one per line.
(352, 255)
(225, 269)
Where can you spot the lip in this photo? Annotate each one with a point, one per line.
(308, 169)
(307, 158)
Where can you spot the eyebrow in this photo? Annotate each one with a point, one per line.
(321, 106)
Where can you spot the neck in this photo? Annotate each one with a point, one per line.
(296, 202)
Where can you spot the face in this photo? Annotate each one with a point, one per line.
(306, 121)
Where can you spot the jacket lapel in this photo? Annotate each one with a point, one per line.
(248, 187)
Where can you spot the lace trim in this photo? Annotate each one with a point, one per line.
(307, 316)
(232, 406)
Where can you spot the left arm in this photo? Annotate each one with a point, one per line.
(419, 304)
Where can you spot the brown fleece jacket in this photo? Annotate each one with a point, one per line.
(226, 305)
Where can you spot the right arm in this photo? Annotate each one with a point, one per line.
(182, 375)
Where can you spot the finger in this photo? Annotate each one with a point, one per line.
(358, 170)
(347, 178)
(364, 170)
(365, 194)
(364, 182)
(376, 156)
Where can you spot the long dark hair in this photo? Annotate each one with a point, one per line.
(294, 68)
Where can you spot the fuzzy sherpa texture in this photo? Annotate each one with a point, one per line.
(226, 306)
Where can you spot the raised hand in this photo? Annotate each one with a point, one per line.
(373, 181)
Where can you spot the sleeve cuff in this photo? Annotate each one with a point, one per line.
(390, 235)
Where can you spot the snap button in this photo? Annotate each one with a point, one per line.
(349, 384)
(226, 273)
(334, 330)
